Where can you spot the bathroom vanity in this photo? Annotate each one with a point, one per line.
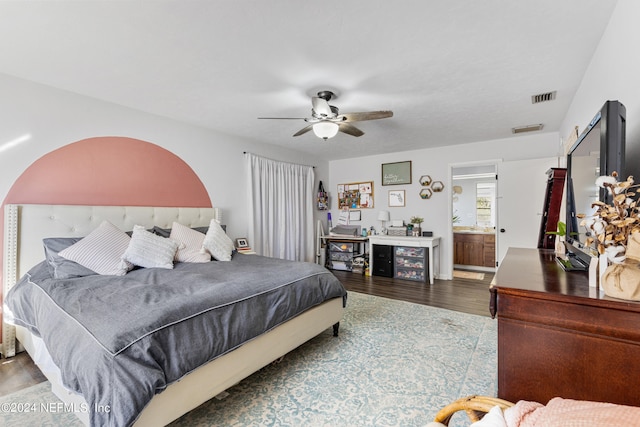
(472, 246)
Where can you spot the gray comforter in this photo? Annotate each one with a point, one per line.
(120, 340)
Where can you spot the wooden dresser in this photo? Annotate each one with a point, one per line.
(558, 337)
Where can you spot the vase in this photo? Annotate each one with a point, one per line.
(596, 270)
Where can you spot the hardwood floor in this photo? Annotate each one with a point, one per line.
(17, 373)
(465, 295)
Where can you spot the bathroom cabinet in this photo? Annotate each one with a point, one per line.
(474, 249)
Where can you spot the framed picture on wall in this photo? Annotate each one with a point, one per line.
(396, 198)
(396, 173)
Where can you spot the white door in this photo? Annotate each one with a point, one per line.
(522, 186)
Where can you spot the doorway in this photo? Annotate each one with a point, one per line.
(474, 217)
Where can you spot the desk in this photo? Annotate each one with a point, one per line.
(559, 337)
(417, 242)
(339, 256)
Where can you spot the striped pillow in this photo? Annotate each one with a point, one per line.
(190, 240)
(217, 243)
(101, 250)
(150, 250)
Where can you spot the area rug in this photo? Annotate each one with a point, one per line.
(394, 364)
(468, 275)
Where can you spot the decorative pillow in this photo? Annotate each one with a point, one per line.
(166, 232)
(59, 267)
(150, 250)
(190, 240)
(217, 243)
(493, 418)
(101, 250)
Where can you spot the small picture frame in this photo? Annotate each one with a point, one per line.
(396, 198)
(242, 242)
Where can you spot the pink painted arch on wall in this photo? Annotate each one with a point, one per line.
(107, 171)
(110, 171)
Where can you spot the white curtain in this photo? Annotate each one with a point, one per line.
(280, 208)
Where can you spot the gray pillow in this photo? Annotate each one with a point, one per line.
(166, 232)
(59, 267)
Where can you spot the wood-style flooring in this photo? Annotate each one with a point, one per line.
(465, 295)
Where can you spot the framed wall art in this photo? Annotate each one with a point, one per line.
(396, 198)
(396, 173)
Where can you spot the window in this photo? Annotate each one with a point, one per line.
(485, 204)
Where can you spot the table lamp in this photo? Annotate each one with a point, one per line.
(383, 216)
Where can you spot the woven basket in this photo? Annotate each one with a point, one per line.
(397, 231)
(475, 406)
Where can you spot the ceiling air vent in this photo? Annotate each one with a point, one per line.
(543, 97)
(529, 128)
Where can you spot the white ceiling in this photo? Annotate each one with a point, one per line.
(452, 71)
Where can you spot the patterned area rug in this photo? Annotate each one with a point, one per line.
(394, 364)
(460, 274)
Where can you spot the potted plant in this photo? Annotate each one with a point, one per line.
(562, 230)
(416, 228)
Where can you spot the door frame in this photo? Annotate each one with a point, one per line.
(449, 234)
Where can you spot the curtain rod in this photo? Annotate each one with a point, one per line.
(246, 152)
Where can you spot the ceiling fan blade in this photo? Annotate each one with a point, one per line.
(282, 118)
(350, 129)
(368, 115)
(303, 130)
(321, 107)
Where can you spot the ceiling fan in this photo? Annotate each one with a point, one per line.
(326, 120)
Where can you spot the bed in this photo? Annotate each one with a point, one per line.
(185, 384)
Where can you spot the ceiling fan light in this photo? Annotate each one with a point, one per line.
(325, 130)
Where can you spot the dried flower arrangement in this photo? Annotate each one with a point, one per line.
(613, 223)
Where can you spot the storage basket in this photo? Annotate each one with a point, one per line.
(397, 231)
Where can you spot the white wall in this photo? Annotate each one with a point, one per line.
(55, 118)
(437, 163)
(613, 74)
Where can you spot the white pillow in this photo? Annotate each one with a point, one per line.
(150, 250)
(493, 418)
(217, 243)
(190, 240)
(101, 250)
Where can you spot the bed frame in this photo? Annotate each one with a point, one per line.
(25, 227)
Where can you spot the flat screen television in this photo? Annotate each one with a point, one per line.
(599, 150)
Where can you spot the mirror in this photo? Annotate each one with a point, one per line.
(474, 197)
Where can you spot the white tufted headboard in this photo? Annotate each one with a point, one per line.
(26, 225)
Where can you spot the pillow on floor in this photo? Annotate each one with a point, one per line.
(149, 250)
(190, 240)
(101, 250)
(217, 243)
